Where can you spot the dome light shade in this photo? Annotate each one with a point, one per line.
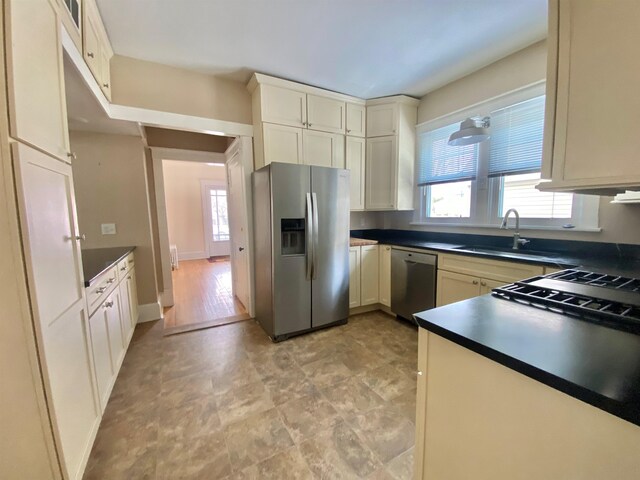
(472, 130)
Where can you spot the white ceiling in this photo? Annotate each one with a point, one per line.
(366, 48)
(84, 113)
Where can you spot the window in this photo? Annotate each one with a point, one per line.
(477, 184)
(219, 217)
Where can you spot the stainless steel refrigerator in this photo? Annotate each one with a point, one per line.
(301, 231)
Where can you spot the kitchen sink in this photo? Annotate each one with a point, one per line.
(509, 252)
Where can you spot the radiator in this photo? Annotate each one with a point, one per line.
(173, 249)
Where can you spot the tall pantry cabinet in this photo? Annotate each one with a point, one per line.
(51, 241)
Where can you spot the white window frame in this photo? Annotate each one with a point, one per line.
(485, 191)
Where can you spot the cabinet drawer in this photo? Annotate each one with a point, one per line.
(100, 290)
(489, 269)
(125, 265)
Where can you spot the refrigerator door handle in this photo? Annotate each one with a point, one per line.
(308, 238)
(315, 232)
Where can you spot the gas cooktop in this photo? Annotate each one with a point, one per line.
(591, 296)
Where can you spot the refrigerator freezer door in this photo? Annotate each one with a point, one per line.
(291, 289)
(330, 286)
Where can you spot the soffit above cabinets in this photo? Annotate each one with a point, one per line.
(363, 48)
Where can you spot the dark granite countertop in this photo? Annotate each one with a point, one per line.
(620, 259)
(96, 261)
(593, 363)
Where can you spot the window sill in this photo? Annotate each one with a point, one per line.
(497, 227)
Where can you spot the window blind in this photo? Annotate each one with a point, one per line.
(441, 163)
(516, 138)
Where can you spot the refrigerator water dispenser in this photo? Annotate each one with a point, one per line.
(292, 236)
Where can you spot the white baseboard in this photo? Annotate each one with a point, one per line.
(149, 312)
(191, 256)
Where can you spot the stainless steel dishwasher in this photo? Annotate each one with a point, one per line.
(413, 282)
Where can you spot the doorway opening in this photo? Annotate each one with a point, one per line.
(203, 199)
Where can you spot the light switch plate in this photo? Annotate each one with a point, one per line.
(108, 228)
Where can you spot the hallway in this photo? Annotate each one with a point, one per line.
(203, 296)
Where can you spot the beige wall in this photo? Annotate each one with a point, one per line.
(166, 138)
(183, 197)
(619, 223)
(110, 182)
(143, 84)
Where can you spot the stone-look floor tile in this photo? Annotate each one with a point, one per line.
(276, 363)
(352, 396)
(233, 374)
(407, 365)
(256, 438)
(405, 403)
(203, 458)
(190, 420)
(380, 474)
(287, 465)
(327, 371)
(238, 403)
(339, 453)
(359, 358)
(177, 392)
(308, 415)
(290, 386)
(385, 430)
(401, 467)
(387, 381)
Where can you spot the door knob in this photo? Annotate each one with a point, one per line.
(82, 237)
(240, 249)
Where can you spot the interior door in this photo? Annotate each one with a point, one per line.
(330, 285)
(238, 226)
(216, 219)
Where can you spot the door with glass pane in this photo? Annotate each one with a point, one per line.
(216, 220)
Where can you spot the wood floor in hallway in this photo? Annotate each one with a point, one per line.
(203, 296)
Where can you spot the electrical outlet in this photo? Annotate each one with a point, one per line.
(108, 228)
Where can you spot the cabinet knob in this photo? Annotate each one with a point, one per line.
(308, 124)
(348, 131)
(419, 373)
(483, 284)
(72, 155)
(105, 85)
(90, 54)
(475, 282)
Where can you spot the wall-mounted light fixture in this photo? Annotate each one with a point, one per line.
(472, 130)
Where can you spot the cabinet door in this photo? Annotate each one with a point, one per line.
(487, 285)
(382, 159)
(92, 49)
(56, 286)
(323, 149)
(382, 120)
(37, 108)
(125, 313)
(369, 272)
(284, 106)
(282, 144)
(356, 120)
(105, 71)
(100, 346)
(455, 287)
(355, 159)
(113, 306)
(385, 275)
(325, 114)
(354, 277)
(597, 114)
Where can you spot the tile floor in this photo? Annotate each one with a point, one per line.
(227, 403)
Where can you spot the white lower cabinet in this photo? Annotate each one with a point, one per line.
(385, 275)
(129, 297)
(354, 277)
(104, 372)
(369, 265)
(363, 275)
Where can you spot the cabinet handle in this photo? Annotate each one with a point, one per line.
(101, 290)
(72, 155)
(348, 131)
(90, 54)
(111, 280)
(108, 304)
(129, 277)
(130, 261)
(123, 268)
(105, 85)
(475, 282)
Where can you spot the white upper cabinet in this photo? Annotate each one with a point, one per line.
(356, 120)
(282, 144)
(323, 149)
(37, 108)
(355, 163)
(325, 114)
(382, 120)
(284, 106)
(593, 109)
(381, 168)
(97, 49)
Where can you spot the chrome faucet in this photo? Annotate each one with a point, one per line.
(517, 241)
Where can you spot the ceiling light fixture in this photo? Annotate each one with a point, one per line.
(472, 130)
